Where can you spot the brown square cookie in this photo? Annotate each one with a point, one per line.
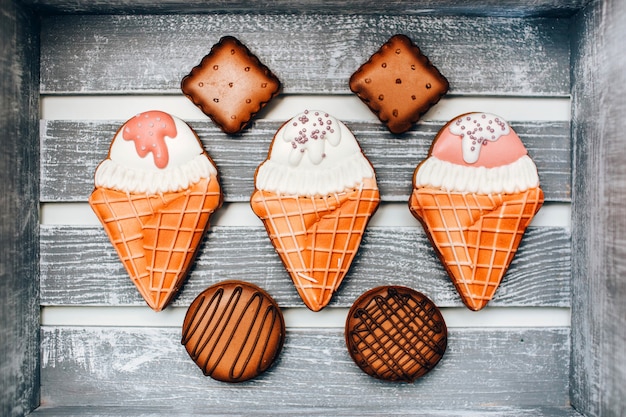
(399, 84)
(230, 85)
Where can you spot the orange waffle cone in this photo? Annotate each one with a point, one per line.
(317, 237)
(475, 235)
(157, 236)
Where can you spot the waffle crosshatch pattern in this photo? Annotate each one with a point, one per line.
(475, 235)
(321, 235)
(155, 235)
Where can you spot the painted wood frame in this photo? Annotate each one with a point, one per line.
(597, 378)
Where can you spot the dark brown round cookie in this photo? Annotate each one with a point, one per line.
(233, 331)
(395, 333)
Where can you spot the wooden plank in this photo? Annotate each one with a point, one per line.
(599, 292)
(399, 7)
(151, 53)
(73, 149)
(398, 410)
(19, 220)
(481, 370)
(80, 267)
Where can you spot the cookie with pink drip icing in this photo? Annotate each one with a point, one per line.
(475, 195)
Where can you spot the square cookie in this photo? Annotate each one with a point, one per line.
(230, 85)
(399, 84)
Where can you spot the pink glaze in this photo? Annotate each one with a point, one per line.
(148, 130)
(503, 151)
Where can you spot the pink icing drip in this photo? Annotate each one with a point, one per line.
(148, 130)
(503, 151)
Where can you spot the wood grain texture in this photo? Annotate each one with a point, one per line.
(73, 149)
(79, 267)
(508, 8)
(19, 220)
(148, 411)
(152, 53)
(599, 292)
(104, 367)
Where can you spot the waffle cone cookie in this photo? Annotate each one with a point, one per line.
(156, 217)
(475, 196)
(315, 195)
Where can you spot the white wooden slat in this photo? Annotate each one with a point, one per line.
(319, 52)
(482, 369)
(79, 267)
(71, 151)
(301, 317)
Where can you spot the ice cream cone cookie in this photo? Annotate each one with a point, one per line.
(315, 194)
(475, 195)
(154, 195)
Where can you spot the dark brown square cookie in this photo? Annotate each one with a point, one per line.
(399, 84)
(230, 85)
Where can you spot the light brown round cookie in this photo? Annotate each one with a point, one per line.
(395, 333)
(233, 331)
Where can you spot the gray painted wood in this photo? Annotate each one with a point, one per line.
(599, 249)
(319, 52)
(105, 367)
(402, 7)
(504, 372)
(19, 220)
(146, 411)
(80, 267)
(73, 149)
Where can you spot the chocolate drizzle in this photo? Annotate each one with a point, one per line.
(395, 333)
(233, 331)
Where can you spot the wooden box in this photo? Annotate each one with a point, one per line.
(76, 339)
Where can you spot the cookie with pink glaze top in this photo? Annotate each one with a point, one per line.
(230, 85)
(154, 195)
(475, 195)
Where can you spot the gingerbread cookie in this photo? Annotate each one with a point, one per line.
(230, 85)
(395, 333)
(154, 195)
(315, 194)
(475, 195)
(233, 331)
(399, 84)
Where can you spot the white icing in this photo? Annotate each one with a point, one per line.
(125, 170)
(111, 174)
(181, 149)
(308, 133)
(333, 166)
(515, 177)
(476, 130)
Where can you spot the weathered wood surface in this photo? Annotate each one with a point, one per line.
(558, 8)
(108, 367)
(19, 220)
(319, 52)
(598, 375)
(147, 411)
(80, 267)
(73, 149)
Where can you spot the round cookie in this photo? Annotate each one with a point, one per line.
(233, 331)
(395, 333)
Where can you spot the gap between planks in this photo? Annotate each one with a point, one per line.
(283, 107)
(332, 317)
(240, 214)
